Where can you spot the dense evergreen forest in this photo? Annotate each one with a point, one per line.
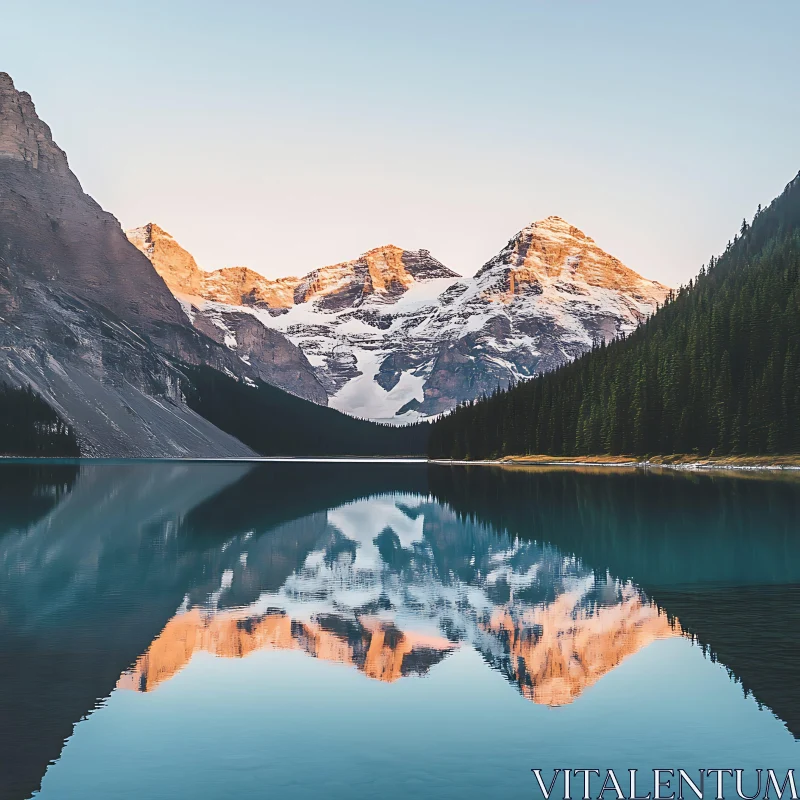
(32, 428)
(275, 423)
(716, 370)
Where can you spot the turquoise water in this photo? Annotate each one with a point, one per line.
(179, 630)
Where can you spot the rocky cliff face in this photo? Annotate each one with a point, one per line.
(54, 233)
(394, 335)
(88, 322)
(24, 137)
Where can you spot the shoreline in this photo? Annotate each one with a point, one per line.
(675, 462)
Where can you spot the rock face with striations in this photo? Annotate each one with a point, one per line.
(53, 232)
(394, 335)
(84, 318)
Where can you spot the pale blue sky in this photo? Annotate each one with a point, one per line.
(290, 135)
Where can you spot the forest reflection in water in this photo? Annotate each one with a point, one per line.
(118, 575)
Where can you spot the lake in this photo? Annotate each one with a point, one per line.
(347, 630)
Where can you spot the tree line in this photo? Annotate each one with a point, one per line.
(716, 370)
(30, 427)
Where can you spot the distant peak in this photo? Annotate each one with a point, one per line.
(148, 232)
(396, 251)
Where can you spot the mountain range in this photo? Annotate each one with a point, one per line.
(89, 326)
(396, 336)
(114, 332)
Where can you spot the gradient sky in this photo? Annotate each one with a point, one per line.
(290, 135)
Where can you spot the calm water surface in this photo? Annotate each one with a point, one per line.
(291, 630)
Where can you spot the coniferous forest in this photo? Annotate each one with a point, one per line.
(31, 427)
(715, 371)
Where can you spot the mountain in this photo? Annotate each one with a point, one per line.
(715, 371)
(396, 336)
(237, 286)
(88, 323)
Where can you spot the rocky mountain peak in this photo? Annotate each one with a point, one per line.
(557, 226)
(395, 335)
(23, 136)
(174, 264)
(238, 286)
(385, 273)
(553, 251)
(52, 233)
(147, 235)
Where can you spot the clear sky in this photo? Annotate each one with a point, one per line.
(289, 135)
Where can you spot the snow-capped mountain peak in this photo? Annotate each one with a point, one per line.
(394, 335)
(383, 272)
(553, 251)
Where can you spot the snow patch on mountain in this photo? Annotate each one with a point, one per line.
(363, 397)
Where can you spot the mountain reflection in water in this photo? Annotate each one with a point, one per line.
(119, 574)
(388, 575)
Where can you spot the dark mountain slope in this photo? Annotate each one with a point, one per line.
(276, 423)
(716, 370)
